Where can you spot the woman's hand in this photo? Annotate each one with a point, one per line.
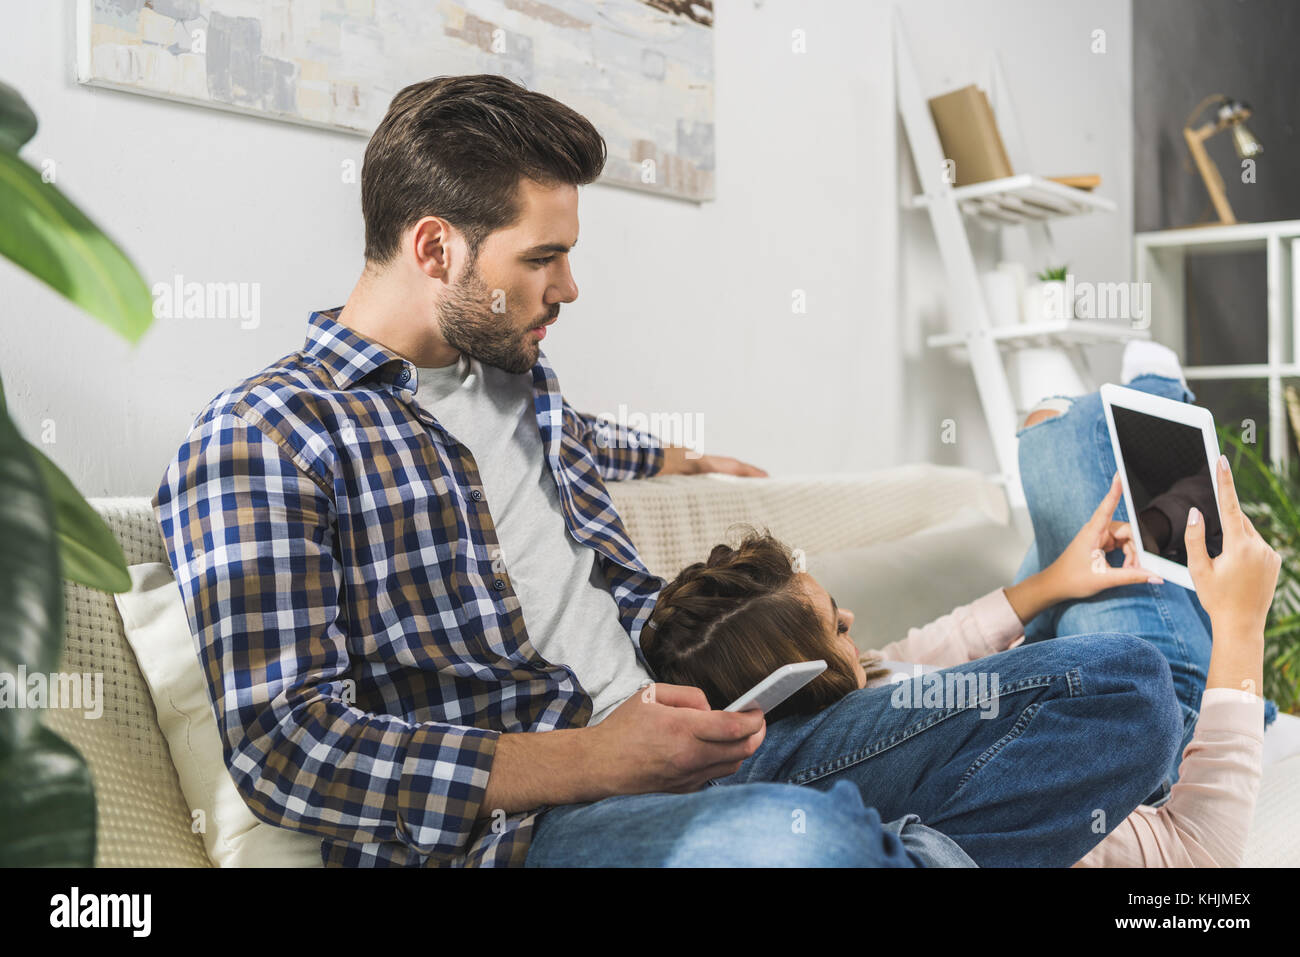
(1236, 588)
(1082, 570)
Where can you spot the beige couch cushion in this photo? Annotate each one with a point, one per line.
(143, 819)
(676, 520)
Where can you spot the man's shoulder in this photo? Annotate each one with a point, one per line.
(295, 376)
(294, 402)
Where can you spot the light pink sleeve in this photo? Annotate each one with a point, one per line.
(1210, 808)
(984, 627)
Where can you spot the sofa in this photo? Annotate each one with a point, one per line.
(869, 538)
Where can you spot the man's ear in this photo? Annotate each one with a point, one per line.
(434, 244)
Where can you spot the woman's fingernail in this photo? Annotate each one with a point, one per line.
(1193, 516)
(1155, 580)
(1223, 463)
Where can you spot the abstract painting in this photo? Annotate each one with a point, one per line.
(640, 70)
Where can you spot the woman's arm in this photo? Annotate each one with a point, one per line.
(996, 621)
(1207, 818)
(984, 627)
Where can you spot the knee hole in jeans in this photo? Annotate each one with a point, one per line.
(1047, 409)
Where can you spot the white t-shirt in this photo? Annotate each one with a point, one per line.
(568, 610)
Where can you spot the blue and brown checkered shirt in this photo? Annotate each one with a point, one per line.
(361, 640)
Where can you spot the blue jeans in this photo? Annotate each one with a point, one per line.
(1076, 735)
(1066, 464)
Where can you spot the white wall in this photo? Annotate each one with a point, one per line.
(1076, 116)
(683, 308)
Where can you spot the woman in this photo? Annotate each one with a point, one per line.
(724, 624)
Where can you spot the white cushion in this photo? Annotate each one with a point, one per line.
(907, 583)
(1274, 839)
(158, 631)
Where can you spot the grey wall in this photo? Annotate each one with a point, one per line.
(1184, 50)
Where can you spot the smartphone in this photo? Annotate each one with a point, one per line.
(778, 686)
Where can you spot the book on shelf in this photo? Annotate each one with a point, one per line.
(968, 133)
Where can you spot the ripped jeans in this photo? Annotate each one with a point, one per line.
(1066, 465)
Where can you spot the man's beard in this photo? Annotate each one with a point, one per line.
(469, 325)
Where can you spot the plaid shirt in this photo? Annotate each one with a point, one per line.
(361, 639)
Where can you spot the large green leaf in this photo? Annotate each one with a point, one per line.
(31, 592)
(47, 806)
(44, 233)
(89, 553)
(17, 121)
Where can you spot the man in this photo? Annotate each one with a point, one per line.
(417, 610)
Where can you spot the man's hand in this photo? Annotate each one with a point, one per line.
(666, 738)
(683, 461)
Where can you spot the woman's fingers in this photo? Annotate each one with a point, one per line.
(1229, 508)
(1115, 577)
(1106, 508)
(1119, 535)
(1251, 530)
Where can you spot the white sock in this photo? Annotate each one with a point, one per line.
(1143, 356)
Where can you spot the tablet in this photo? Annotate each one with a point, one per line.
(1166, 452)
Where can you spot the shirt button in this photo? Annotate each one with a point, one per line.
(476, 495)
(404, 375)
(498, 584)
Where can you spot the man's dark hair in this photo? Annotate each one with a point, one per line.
(457, 146)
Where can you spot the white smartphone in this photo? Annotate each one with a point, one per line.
(778, 686)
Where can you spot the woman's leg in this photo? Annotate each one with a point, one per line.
(1025, 758)
(1066, 465)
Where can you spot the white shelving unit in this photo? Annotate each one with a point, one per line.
(1068, 332)
(1024, 200)
(1161, 259)
(1021, 199)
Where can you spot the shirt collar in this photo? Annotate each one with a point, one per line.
(350, 357)
(347, 355)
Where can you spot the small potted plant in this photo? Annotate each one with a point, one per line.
(1049, 297)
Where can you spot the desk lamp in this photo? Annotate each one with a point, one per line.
(1232, 115)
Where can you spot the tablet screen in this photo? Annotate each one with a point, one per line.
(1168, 472)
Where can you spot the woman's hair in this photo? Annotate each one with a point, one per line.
(725, 624)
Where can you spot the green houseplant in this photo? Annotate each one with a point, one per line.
(1271, 499)
(1045, 300)
(48, 532)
